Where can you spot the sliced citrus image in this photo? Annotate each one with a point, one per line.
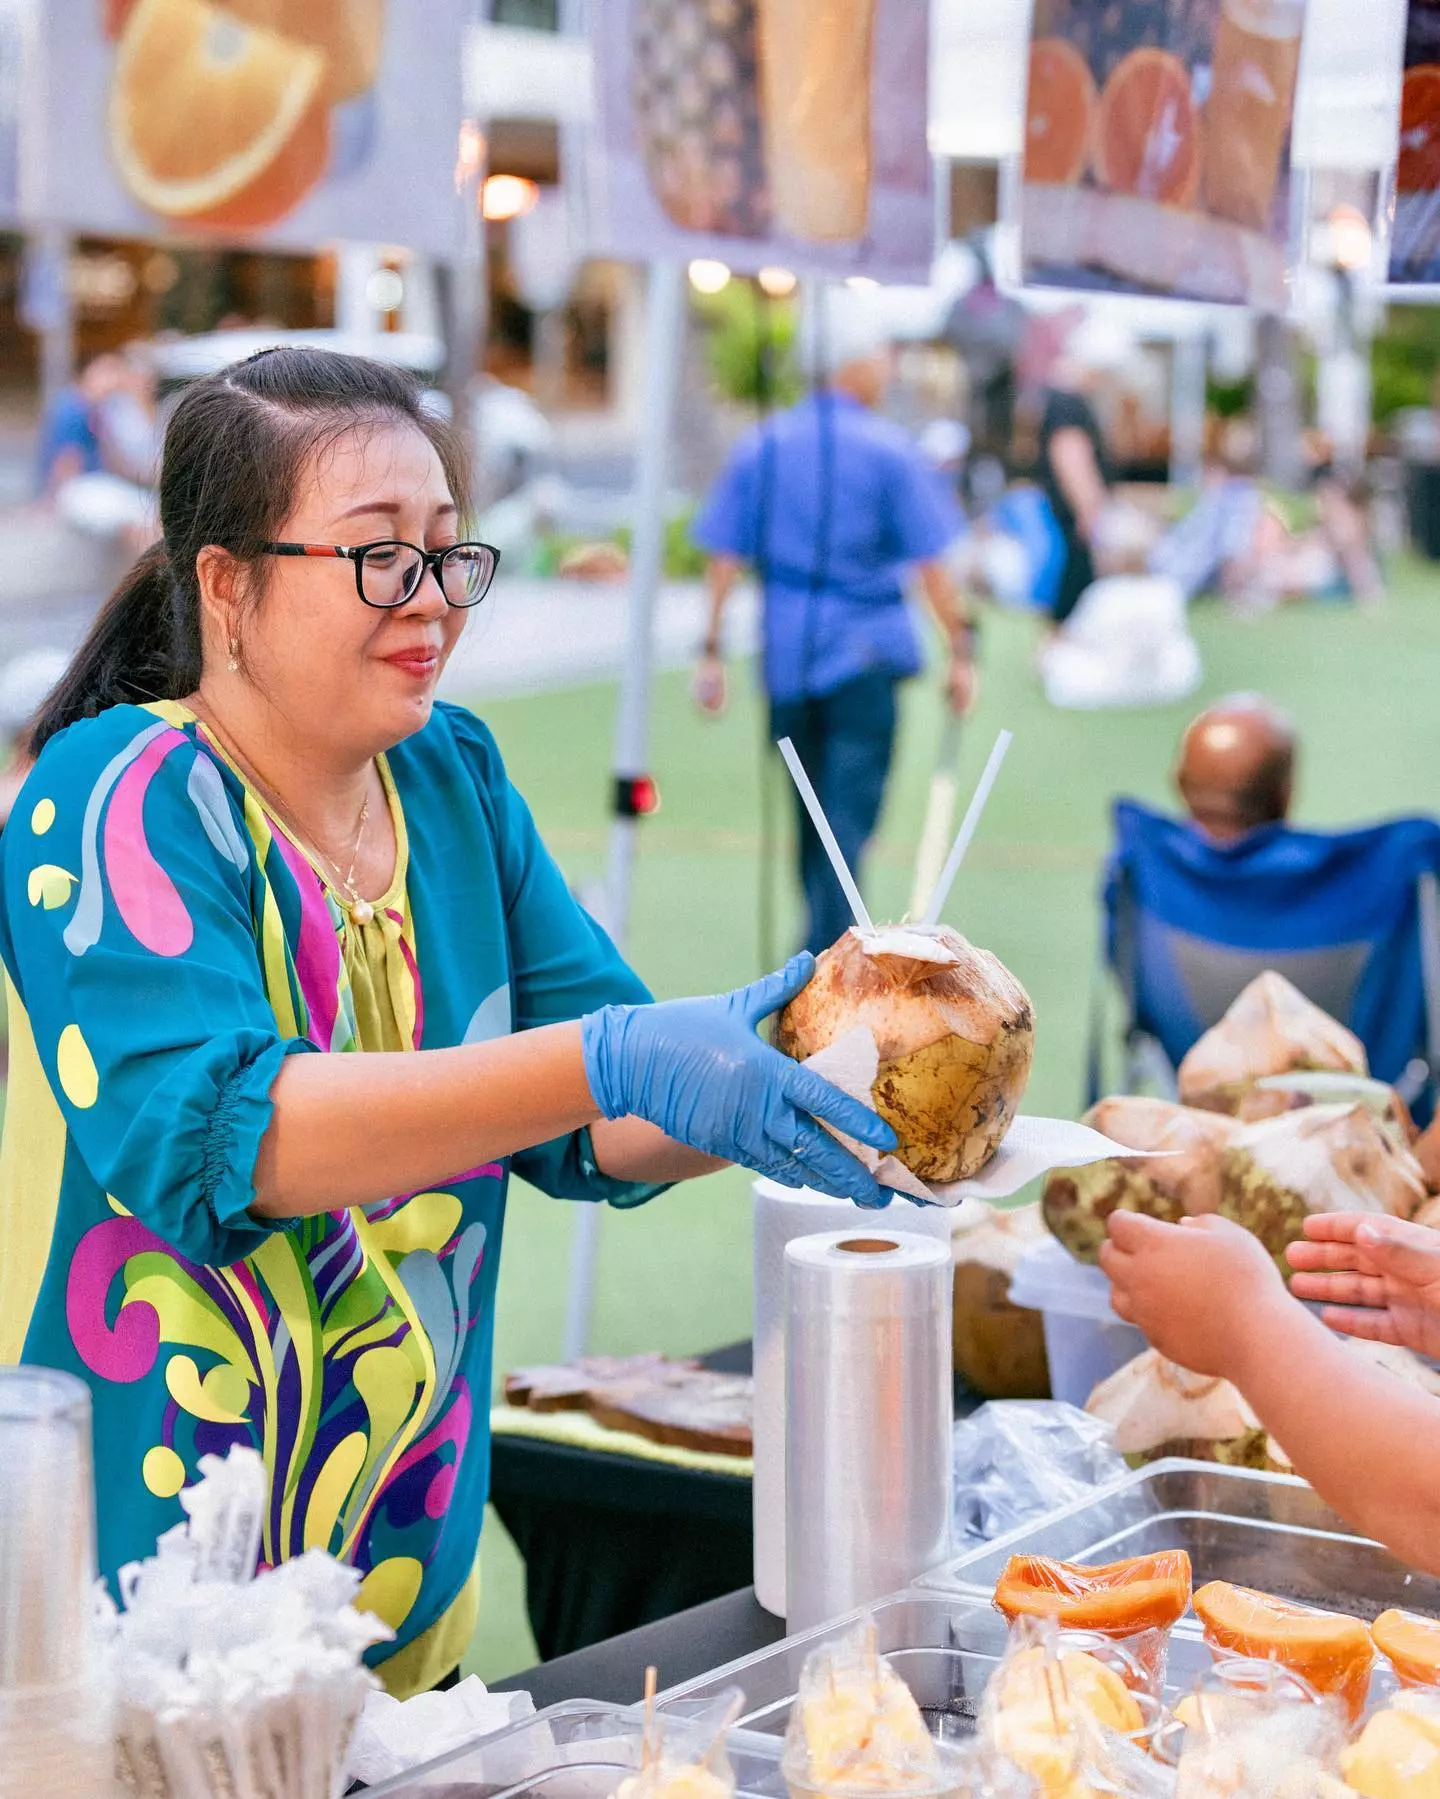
(349, 32)
(113, 14)
(1059, 111)
(1147, 132)
(1417, 170)
(213, 122)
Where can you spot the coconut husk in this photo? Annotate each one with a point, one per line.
(1321, 1159)
(999, 1346)
(1157, 1408)
(1274, 1094)
(1271, 1028)
(955, 1032)
(1183, 1182)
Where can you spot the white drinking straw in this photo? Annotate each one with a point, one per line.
(827, 836)
(966, 831)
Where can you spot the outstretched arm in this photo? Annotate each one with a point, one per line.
(1207, 1295)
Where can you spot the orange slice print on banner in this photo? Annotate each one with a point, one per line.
(1147, 135)
(113, 14)
(214, 122)
(1418, 169)
(1059, 112)
(350, 32)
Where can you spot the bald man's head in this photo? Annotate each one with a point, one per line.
(1237, 766)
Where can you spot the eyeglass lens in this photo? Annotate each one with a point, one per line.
(391, 572)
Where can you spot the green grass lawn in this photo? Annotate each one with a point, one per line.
(675, 1275)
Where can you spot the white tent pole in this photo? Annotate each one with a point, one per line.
(665, 330)
(1189, 357)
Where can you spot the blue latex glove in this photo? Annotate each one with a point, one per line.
(697, 1069)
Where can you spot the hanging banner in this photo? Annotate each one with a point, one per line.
(764, 132)
(1415, 239)
(1157, 148)
(282, 124)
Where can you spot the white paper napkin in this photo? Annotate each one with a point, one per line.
(395, 1735)
(1031, 1147)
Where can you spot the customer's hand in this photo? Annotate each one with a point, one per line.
(711, 685)
(1377, 1278)
(1201, 1291)
(962, 682)
(697, 1069)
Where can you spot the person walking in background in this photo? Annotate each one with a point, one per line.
(830, 505)
(1072, 465)
(99, 447)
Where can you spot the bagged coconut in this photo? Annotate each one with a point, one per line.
(1270, 1029)
(955, 1033)
(1157, 1408)
(1322, 1159)
(1182, 1180)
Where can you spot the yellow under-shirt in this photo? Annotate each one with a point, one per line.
(382, 988)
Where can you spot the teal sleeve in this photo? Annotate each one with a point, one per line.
(563, 962)
(127, 931)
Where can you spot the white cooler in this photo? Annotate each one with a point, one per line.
(1084, 1340)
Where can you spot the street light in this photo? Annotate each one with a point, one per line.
(708, 277)
(778, 283)
(509, 197)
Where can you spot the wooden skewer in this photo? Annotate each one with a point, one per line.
(647, 1750)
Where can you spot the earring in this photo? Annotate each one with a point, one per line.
(234, 663)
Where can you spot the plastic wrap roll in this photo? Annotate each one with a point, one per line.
(780, 1215)
(869, 1408)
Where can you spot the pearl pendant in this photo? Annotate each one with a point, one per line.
(362, 911)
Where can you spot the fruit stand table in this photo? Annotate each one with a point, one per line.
(612, 1543)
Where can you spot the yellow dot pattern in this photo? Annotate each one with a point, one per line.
(42, 817)
(163, 1472)
(79, 1081)
(49, 886)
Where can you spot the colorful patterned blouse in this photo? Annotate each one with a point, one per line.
(166, 947)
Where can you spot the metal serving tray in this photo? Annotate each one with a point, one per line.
(945, 1647)
(1269, 1531)
(579, 1750)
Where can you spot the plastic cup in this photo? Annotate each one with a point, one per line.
(47, 1529)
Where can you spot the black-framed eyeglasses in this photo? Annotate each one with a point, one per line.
(389, 571)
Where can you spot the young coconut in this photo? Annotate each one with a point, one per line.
(1321, 1159)
(954, 1028)
(1158, 1408)
(1181, 1181)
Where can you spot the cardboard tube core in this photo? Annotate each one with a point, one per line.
(868, 1246)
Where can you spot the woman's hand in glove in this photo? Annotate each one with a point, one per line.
(697, 1069)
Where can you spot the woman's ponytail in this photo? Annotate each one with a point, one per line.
(142, 646)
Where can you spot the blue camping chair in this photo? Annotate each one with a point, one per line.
(1351, 919)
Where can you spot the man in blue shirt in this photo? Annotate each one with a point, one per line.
(831, 506)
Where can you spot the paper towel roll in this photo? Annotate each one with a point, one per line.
(869, 1407)
(780, 1215)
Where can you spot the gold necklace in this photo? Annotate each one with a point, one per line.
(360, 909)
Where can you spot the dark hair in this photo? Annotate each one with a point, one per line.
(235, 449)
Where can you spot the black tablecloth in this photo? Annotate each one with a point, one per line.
(612, 1543)
(689, 1644)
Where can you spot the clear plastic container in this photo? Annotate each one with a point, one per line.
(579, 1750)
(944, 1647)
(1269, 1531)
(1085, 1342)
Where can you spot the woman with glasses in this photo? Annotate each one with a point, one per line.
(253, 845)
